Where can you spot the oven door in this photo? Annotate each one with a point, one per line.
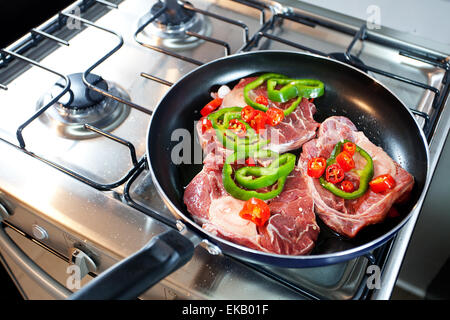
(38, 273)
(41, 273)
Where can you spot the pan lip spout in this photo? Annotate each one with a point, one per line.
(290, 260)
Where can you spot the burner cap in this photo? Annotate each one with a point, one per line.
(170, 28)
(79, 95)
(81, 105)
(174, 15)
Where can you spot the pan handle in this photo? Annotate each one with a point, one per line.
(132, 276)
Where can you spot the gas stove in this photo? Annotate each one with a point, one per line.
(77, 95)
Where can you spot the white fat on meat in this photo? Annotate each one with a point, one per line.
(224, 221)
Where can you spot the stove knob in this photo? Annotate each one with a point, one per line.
(83, 261)
(39, 233)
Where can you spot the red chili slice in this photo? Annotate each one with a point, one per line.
(274, 116)
(316, 167)
(237, 127)
(382, 183)
(250, 162)
(211, 106)
(347, 186)
(206, 124)
(255, 210)
(262, 100)
(349, 147)
(248, 113)
(334, 173)
(258, 122)
(345, 160)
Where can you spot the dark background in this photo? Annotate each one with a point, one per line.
(17, 17)
(8, 289)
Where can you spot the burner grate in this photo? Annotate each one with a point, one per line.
(48, 105)
(146, 21)
(363, 35)
(9, 55)
(36, 36)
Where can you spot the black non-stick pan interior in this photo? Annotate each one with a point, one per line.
(348, 92)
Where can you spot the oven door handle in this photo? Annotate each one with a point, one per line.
(50, 285)
(129, 278)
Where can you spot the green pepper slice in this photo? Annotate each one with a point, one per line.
(307, 88)
(365, 174)
(255, 84)
(260, 177)
(230, 140)
(242, 194)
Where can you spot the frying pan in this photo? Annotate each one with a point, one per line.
(374, 109)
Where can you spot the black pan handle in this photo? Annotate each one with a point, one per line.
(132, 276)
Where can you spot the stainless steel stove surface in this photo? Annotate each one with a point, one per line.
(71, 186)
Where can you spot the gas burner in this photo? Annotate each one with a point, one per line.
(171, 28)
(81, 105)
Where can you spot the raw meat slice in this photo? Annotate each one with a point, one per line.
(296, 129)
(291, 229)
(348, 217)
(218, 212)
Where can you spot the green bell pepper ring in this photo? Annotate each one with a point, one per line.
(260, 177)
(301, 88)
(255, 84)
(242, 194)
(230, 140)
(307, 88)
(365, 174)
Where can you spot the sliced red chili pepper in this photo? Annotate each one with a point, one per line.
(211, 106)
(206, 124)
(334, 173)
(258, 122)
(255, 210)
(316, 167)
(274, 116)
(349, 147)
(382, 183)
(345, 160)
(262, 100)
(311, 100)
(250, 162)
(248, 113)
(347, 186)
(237, 127)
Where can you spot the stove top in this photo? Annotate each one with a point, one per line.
(76, 106)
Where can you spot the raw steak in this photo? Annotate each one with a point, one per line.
(291, 229)
(348, 217)
(296, 129)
